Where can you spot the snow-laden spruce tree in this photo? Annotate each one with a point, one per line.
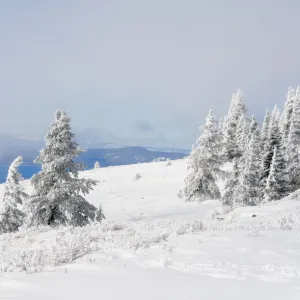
(249, 190)
(253, 126)
(204, 164)
(293, 143)
(242, 134)
(231, 196)
(97, 165)
(272, 141)
(236, 110)
(265, 133)
(220, 124)
(11, 217)
(286, 117)
(278, 182)
(58, 192)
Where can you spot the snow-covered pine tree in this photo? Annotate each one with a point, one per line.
(236, 110)
(220, 124)
(96, 165)
(229, 129)
(253, 126)
(204, 164)
(230, 197)
(286, 117)
(11, 217)
(58, 191)
(242, 134)
(293, 144)
(240, 106)
(265, 133)
(249, 191)
(278, 184)
(272, 141)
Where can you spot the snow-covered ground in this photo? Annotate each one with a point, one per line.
(153, 245)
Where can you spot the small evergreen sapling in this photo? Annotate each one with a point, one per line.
(137, 176)
(97, 165)
(168, 162)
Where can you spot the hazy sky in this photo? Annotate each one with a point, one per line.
(143, 70)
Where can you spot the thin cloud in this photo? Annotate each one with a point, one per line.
(107, 62)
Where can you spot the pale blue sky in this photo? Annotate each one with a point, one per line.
(143, 70)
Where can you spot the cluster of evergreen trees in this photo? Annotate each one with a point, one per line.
(265, 160)
(57, 197)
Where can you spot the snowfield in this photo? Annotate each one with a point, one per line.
(153, 245)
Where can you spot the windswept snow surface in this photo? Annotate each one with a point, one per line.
(153, 245)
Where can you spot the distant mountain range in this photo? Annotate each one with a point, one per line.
(107, 154)
(11, 147)
(125, 156)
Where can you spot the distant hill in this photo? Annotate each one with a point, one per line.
(106, 154)
(124, 156)
(106, 157)
(11, 147)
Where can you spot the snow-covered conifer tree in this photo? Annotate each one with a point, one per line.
(204, 164)
(58, 192)
(293, 144)
(265, 133)
(97, 165)
(278, 184)
(11, 217)
(242, 135)
(272, 141)
(249, 191)
(220, 124)
(240, 106)
(236, 110)
(286, 117)
(230, 197)
(253, 126)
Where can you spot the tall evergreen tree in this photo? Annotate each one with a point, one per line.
(204, 164)
(58, 191)
(236, 110)
(278, 184)
(231, 196)
(265, 133)
(253, 126)
(286, 117)
(272, 141)
(250, 177)
(220, 124)
(294, 143)
(242, 135)
(11, 217)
